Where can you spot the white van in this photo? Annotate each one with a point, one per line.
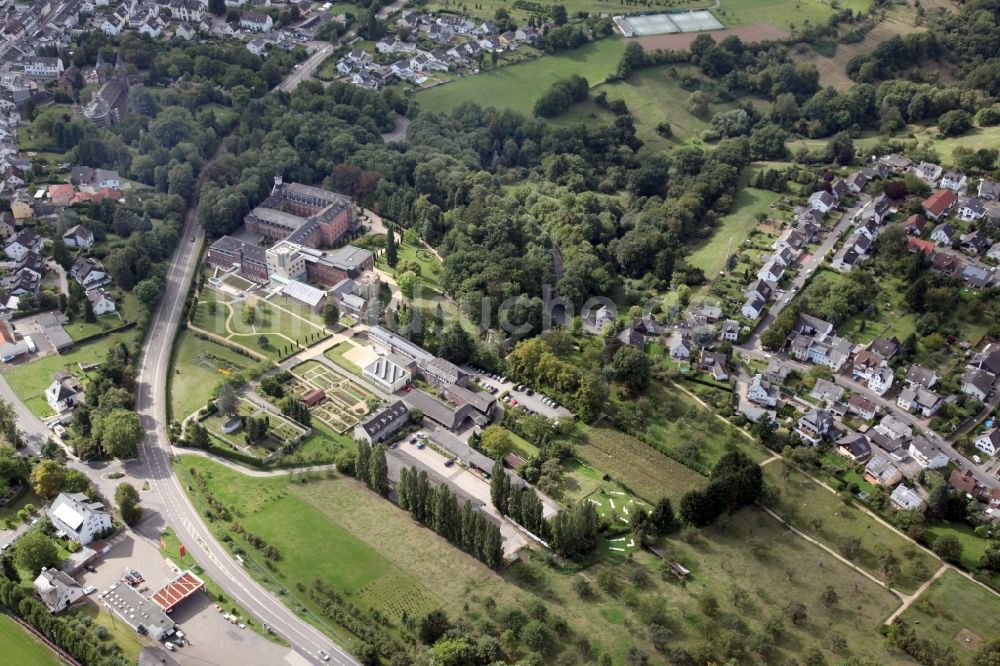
(31, 344)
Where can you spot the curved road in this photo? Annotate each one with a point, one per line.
(154, 464)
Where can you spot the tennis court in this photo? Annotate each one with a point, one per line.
(665, 24)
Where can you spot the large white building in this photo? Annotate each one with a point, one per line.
(390, 372)
(78, 517)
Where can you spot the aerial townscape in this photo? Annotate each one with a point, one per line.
(526, 332)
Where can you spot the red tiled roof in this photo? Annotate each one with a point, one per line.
(918, 244)
(939, 202)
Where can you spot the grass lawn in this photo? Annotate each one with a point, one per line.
(30, 379)
(430, 267)
(636, 465)
(953, 603)
(782, 13)
(21, 647)
(580, 479)
(199, 367)
(518, 86)
(825, 517)
(27, 496)
(522, 447)
(973, 547)
(336, 354)
(710, 255)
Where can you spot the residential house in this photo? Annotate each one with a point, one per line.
(988, 190)
(915, 224)
(101, 302)
(877, 210)
(920, 376)
(790, 239)
(827, 392)
(89, 273)
(921, 400)
(929, 172)
(857, 182)
(776, 371)
(994, 252)
(943, 234)
(729, 331)
(946, 264)
(974, 242)
(954, 180)
(896, 162)
(904, 497)
(862, 407)
(938, 204)
(885, 347)
(714, 364)
(753, 308)
(679, 347)
(772, 271)
(78, 236)
(32, 263)
(971, 209)
(64, 393)
(866, 363)
(965, 482)
(854, 447)
(814, 425)
(602, 317)
(989, 441)
(758, 288)
(762, 392)
(978, 384)
(822, 201)
(976, 277)
(881, 472)
(988, 359)
(25, 242)
(630, 336)
(927, 454)
(185, 31)
(60, 195)
(57, 590)
(881, 380)
(191, 11)
(256, 21)
(7, 228)
(79, 518)
(914, 245)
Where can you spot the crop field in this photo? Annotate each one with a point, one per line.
(640, 468)
(825, 517)
(944, 614)
(345, 404)
(20, 647)
(518, 86)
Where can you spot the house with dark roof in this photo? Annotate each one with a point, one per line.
(814, 426)
(915, 224)
(78, 236)
(854, 447)
(881, 471)
(978, 384)
(964, 481)
(383, 424)
(862, 407)
(57, 590)
(89, 273)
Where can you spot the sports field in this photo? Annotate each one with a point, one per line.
(660, 24)
(518, 86)
(20, 647)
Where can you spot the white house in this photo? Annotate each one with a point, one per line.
(954, 181)
(822, 201)
(881, 380)
(978, 384)
(101, 302)
(753, 308)
(994, 252)
(814, 425)
(679, 346)
(25, 242)
(258, 46)
(63, 394)
(78, 236)
(943, 233)
(89, 272)
(989, 442)
(904, 497)
(729, 331)
(929, 172)
(107, 178)
(772, 271)
(927, 455)
(57, 590)
(256, 21)
(39, 67)
(762, 392)
(79, 518)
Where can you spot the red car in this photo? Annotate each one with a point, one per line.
(514, 402)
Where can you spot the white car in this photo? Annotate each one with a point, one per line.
(977, 460)
(90, 589)
(170, 646)
(323, 655)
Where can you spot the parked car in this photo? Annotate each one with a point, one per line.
(170, 646)
(449, 462)
(90, 589)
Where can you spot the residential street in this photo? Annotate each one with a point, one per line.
(806, 271)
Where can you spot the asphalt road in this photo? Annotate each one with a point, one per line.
(154, 465)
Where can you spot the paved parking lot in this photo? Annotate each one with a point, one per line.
(211, 639)
(532, 402)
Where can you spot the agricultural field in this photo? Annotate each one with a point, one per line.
(734, 228)
(518, 86)
(825, 517)
(637, 466)
(199, 367)
(21, 647)
(29, 379)
(945, 615)
(345, 404)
